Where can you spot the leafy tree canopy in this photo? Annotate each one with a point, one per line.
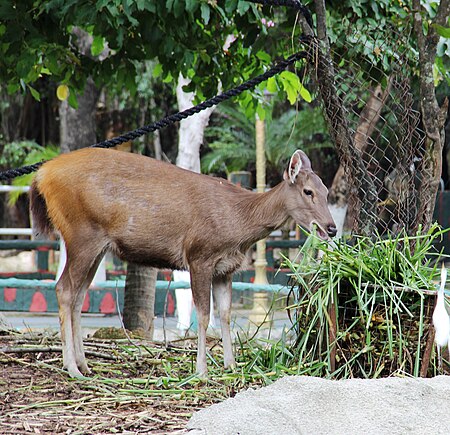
(186, 36)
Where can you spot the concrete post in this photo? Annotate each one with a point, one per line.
(260, 299)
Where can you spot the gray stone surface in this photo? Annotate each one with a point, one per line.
(307, 405)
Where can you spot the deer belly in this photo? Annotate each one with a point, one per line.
(230, 263)
(150, 254)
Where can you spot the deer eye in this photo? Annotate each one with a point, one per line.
(307, 192)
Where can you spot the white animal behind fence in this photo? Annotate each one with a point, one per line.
(441, 319)
(185, 303)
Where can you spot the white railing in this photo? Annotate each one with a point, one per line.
(15, 231)
(6, 188)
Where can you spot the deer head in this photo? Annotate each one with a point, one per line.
(307, 199)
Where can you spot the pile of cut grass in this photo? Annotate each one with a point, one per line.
(363, 307)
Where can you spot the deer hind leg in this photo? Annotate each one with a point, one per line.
(222, 296)
(201, 291)
(70, 291)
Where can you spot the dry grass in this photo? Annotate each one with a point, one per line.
(133, 389)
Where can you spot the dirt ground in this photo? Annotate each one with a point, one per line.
(36, 395)
(139, 387)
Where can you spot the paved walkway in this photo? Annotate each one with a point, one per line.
(241, 321)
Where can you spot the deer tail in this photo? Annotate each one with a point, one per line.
(42, 225)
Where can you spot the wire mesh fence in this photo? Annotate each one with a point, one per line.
(369, 107)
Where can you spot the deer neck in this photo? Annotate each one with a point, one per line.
(264, 212)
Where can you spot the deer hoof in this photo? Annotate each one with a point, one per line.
(230, 364)
(84, 369)
(74, 372)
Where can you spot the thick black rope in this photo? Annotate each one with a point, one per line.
(24, 170)
(171, 119)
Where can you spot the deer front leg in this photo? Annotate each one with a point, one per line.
(80, 357)
(222, 295)
(77, 332)
(201, 289)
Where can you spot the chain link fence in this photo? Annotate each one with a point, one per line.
(369, 107)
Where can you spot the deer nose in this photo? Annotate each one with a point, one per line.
(331, 230)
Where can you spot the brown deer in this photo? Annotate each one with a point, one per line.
(150, 212)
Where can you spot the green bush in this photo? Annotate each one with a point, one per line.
(33, 154)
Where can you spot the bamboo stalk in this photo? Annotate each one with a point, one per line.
(332, 336)
(428, 349)
(28, 349)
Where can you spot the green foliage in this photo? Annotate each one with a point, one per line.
(184, 36)
(305, 129)
(232, 142)
(404, 261)
(181, 36)
(233, 138)
(34, 154)
(373, 288)
(15, 153)
(442, 31)
(369, 27)
(293, 87)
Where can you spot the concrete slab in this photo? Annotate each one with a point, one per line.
(306, 405)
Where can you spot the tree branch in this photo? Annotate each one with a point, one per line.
(442, 13)
(321, 16)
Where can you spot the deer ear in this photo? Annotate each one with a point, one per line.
(299, 160)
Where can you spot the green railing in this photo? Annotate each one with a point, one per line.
(42, 247)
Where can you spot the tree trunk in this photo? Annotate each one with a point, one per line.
(139, 304)
(191, 130)
(77, 126)
(433, 117)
